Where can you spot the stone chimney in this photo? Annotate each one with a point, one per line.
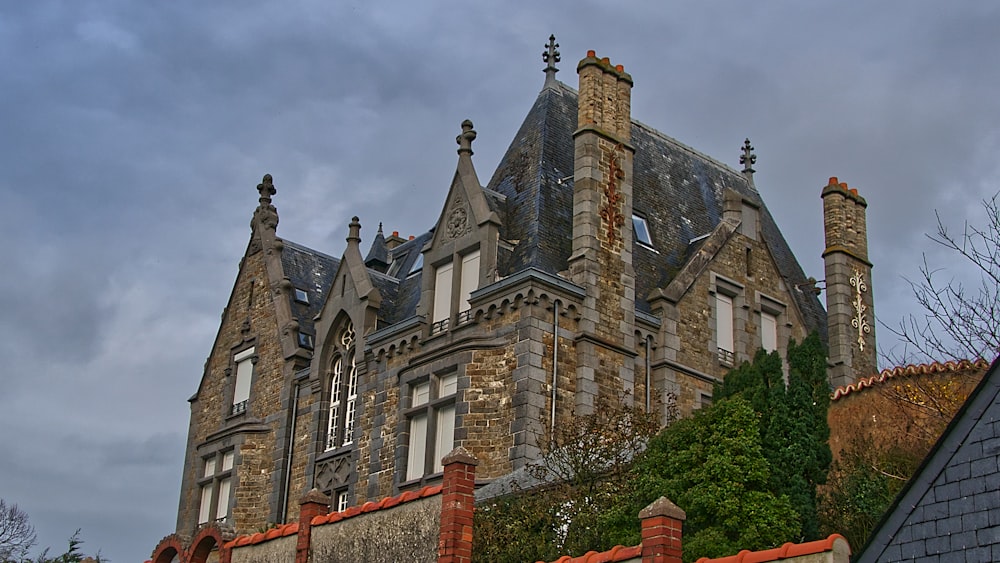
(849, 303)
(601, 260)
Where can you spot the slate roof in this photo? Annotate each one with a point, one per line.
(677, 189)
(950, 509)
(313, 272)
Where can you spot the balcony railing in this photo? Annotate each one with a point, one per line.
(726, 357)
(464, 317)
(240, 407)
(439, 326)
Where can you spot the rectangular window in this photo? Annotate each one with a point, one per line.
(470, 279)
(432, 425)
(418, 447)
(768, 332)
(216, 487)
(442, 293)
(724, 327)
(340, 504)
(641, 230)
(244, 375)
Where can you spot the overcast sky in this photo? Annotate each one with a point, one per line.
(133, 135)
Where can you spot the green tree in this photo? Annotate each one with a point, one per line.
(793, 421)
(714, 467)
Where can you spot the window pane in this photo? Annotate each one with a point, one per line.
(724, 321)
(341, 501)
(209, 467)
(418, 447)
(448, 385)
(768, 332)
(641, 230)
(442, 293)
(206, 504)
(421, 394)
(244, 373)
(227, 461)
(445, 439)
(470, 278)
(222, 507)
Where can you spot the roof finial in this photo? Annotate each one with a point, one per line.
(465, 139)
(266, 189)
(380, 227)
(550, 56)
(748, 158)
(354, 231)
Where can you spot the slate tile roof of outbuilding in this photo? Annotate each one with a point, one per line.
(950, 509)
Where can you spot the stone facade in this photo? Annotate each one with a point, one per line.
(585, 273)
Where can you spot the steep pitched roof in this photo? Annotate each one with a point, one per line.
(312, 271)
(948, 509)
(677, 189)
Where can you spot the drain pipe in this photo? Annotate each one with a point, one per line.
(649, 378)
(291, 445)
(555, 364)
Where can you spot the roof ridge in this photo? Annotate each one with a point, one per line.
(909, 369)
(786, 551)
(304, 248)
(656, 132)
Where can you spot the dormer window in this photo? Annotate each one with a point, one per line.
(343, 391)
(301, 296)
(641, 231)
(418, 265)
(445, 280)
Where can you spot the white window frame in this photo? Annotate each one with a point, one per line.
(431, 422)
(768, 331)
(245, 365)
(469, 281)
(727, 300)
(640, 229)
(342, 390)
(216, 486)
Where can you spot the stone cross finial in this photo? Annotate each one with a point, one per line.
(550, 57)
(465, 139)
(266, 189)
(748, 158)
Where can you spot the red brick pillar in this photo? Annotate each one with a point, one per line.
(661, 532)
(313, 504)
(457, 505)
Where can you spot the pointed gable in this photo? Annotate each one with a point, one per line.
(948, 510)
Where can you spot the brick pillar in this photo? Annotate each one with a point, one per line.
(661, 532)
(313, 504)
(457, 505)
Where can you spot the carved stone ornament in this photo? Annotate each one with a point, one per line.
(458, 220)
(860, 320)
(611, 212)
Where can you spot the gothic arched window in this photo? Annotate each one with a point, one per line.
(343, 390)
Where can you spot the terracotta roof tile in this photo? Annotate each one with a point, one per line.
(293, 528)
(898, 371)
(786, 551)
(613, 555)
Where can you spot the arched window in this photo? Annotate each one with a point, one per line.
(343, 390)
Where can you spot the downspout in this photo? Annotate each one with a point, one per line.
(291, 446)
(649, 379)
(555, 364)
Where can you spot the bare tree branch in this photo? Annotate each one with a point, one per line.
(17, 535)
(957, 321)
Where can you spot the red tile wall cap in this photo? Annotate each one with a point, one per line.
(372, 506)
(786, 551)
(613, 555)
(921, 369)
